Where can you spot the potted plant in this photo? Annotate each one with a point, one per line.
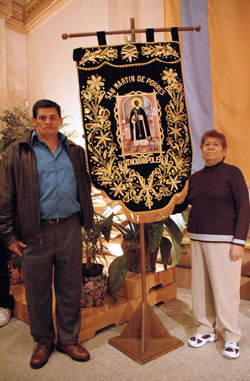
(14, 124)
(164, 236)
(94, 282)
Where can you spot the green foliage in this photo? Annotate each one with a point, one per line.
(117, 273)
(165, 250)
(67, 130)
(13, 125)
(154, 238)
(16, 123)
(93, 239)
(153, 232)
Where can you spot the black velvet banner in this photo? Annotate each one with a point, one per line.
(136, 125)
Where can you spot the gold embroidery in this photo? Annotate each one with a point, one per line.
(125, 183)
(129, 52)
(169, 76)
(159, 50)
(107, 53)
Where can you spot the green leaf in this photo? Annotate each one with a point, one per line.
(176, 239)
(106, 227)
(175, 253)
(185, 215)
(165, 250)
(128, 230)
(180, 219)
(117, 273)
(157, 235)
(173, 230)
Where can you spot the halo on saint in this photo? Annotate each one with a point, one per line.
(136, 99)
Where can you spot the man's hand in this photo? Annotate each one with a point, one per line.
(16, 247)
(236, 252)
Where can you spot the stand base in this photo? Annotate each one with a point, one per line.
(145, 338)
(153, 349)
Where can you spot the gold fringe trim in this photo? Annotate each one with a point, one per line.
(153, 215)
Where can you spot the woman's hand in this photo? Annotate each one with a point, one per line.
(236, 252)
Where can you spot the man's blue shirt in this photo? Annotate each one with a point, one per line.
(56, 180)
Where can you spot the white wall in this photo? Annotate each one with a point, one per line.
(16, 60)
(3, 66)
(51, 70)
(13, 68)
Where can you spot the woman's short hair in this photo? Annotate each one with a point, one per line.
(214, 134)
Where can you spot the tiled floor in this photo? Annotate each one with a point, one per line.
(108, 363)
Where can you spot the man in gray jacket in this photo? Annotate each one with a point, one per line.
(44, 199)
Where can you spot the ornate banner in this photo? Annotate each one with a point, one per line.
(136, 126)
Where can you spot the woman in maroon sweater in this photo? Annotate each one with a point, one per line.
(218, 225)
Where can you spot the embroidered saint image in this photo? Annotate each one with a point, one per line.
(140, 133)
(139, 123)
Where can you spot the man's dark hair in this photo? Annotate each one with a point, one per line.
(45, 103)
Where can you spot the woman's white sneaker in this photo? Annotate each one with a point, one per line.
(198, 340)
(231, 350)
(5, 315)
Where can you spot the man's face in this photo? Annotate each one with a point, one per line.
(136, 103)
(47, 122)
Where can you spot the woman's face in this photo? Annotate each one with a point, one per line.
(212, 151)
